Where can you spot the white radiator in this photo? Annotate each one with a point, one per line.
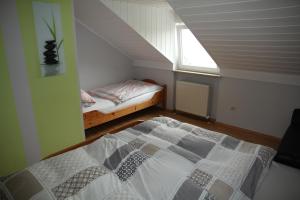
(192, 98)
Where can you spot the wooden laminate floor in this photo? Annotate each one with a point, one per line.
(149, 113)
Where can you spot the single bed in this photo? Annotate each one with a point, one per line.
(105, 110)
(161, 158)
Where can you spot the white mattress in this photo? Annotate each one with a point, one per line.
(106, 106)
(281, 182)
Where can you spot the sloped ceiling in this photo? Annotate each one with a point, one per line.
(96, 17)
(260, 35)
(153, 20)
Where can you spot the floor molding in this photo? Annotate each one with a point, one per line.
(249, 135)
(240, 133)
(119, 124)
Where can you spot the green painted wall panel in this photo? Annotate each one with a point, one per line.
(56, 101)
(11, 147)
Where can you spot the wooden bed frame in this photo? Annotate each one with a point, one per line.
(95, 118)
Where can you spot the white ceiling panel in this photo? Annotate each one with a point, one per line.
(95, 16)
(260, 35)
(232, 6)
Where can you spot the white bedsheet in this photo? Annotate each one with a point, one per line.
(106, 106)
(281, 183)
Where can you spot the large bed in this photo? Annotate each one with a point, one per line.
(104, 109)
(161, 158)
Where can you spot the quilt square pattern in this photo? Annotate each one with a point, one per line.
(172, 123)
(31, 185)
(210, 135)
(230, 142)
(123, 195)
(221, 190)
(194, 158)
(186, 127)
(265, 154)
(136, 143)
(150, 149)
(200, 178)
(247, 147)
(64, 165)
(114, 160)
(146, 127)
(188, 190)
(131, 164)
(167, 136)
(196, 145)
(77, 182)
(249, 185)
(134, 132)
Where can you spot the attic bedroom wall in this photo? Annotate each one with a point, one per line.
(260, 106)
(161, 76)
(98, 62)
(256, 105)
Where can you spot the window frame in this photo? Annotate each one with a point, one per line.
(190, 68)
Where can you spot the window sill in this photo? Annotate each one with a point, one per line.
(198, 73)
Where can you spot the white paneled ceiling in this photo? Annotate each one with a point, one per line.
(260, 35)
(153, 20)
(95, 16)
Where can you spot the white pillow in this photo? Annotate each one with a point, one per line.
(86, 98)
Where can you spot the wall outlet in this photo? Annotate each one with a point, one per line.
(232, 108)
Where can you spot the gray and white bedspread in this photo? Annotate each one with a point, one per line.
(158, 159)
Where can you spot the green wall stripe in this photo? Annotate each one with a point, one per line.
(56, 101)
(11, 147)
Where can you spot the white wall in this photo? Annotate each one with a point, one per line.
(98, 62)
(255, 105)
(19, 78)
(160, 76)
(153, 20)
(259, 106)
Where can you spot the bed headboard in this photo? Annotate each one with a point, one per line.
(150, 81)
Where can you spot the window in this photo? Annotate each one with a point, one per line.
(191, 54)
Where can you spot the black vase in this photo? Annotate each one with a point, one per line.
(50, 54)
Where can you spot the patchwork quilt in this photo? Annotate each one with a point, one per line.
(159, 159)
